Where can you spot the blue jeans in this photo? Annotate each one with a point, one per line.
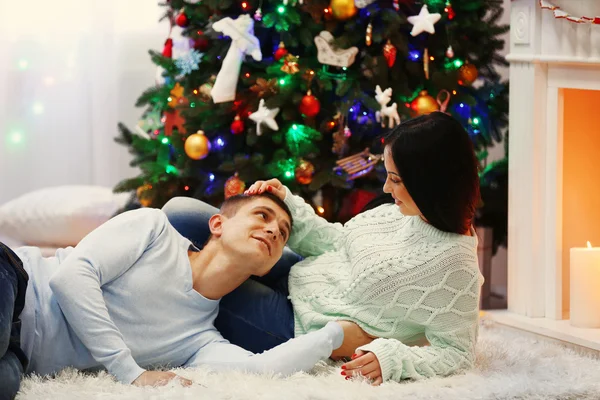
(257, 315)
(13, 284)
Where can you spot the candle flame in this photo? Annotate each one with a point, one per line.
(589, 245)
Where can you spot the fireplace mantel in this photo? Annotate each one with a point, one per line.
(547, 56)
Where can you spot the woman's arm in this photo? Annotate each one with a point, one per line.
(311, 235)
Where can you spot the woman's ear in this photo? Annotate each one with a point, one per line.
(215, 223)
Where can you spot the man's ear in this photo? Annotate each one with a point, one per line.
(215, 223)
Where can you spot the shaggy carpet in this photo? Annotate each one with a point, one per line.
(510, 365)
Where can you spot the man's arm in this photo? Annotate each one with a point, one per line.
(101, 257)
(298, 354)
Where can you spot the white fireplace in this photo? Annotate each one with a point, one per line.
(554, 162)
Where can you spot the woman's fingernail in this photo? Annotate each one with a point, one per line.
(354, 356)
(343, 372)
(347, 377)
(343, 367)
(269, 188)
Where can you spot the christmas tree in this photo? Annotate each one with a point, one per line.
(302, 91)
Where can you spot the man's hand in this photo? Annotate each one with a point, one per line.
(363, 364)
(159, 378)
(273, 186)
(354, 337)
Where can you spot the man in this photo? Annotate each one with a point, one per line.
(134, 294)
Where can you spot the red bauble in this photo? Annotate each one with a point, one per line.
(182, 20)
(234, 186)
(201, 43)
(237, 126)
(168, 49)
(310, 105)
(280, 52)
(450, 11)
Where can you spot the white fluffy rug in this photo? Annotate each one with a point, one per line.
(510, 365)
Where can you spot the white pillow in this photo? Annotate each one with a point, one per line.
(58, 216)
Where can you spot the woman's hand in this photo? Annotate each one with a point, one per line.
(363, 364)
(159, 378)
(273, 186)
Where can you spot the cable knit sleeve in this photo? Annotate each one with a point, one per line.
(445, 356)
(311, 235)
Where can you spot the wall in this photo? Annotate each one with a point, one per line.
(581, 175)
(70, 71)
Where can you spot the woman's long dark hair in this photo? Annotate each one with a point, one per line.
(436, 161)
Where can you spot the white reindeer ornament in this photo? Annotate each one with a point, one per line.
(391, 112)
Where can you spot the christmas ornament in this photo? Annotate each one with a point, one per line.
(266, 116)
(206, 88)
(561, 14)
(182, 20)
(189, 62)
(264, 87)
(304, 172)
(424, 21)
(168, 49)
(363, 3)
(176, 94)
(467, 74)
(389, 52)
(329, 55)
(149, 124)
(310, 105)
(450, 11)
(359, 164)
(237, 126)
(449, 52)
(369, 34)
(145, 195)
(343, 9)
(201, 43)
(258, 14)
(173, 119)
(243, 41)
(424, 104)
(234, 186)
(290, 65)
(294, 2)
(280, 52)
(443, 98)
(391, 112)
(340, 141)
(197, 146)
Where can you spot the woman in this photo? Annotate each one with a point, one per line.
(405, 273)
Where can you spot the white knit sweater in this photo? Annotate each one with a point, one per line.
(398, 277)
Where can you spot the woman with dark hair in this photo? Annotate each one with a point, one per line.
(405, 273)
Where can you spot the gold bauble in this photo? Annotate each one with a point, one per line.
(467, 74)
(304, 172)
(424, 104)
(343, 9)
(145, 195)
(234, 186)
(197, 146)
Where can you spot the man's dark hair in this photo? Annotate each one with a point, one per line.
(436, 161)
(231, 206)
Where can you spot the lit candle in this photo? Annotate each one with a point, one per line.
(585, 287)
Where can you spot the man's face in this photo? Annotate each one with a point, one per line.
(256, 234)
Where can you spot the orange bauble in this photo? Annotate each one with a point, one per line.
(467, 74)
(234, 186)
(145, 195)
(304, 172)
(424, 104)
(343, 9)
(197, 146)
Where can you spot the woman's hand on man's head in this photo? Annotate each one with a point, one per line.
(273, 186)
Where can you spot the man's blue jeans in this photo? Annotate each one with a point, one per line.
(13, 284)
(257, 315)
